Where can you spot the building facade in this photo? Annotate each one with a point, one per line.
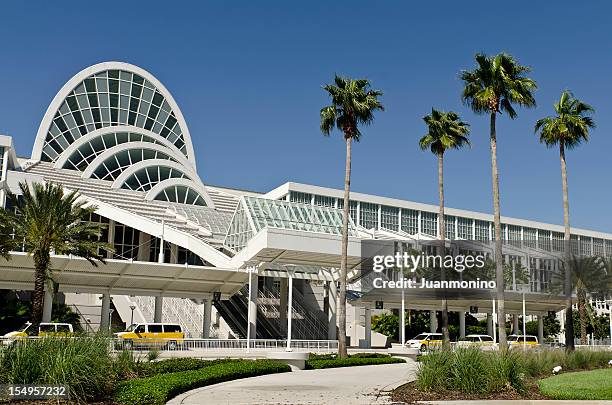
(116, 135)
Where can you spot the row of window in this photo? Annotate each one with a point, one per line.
(407, 220)
(87, 152)
(126, 242)
(109, 99)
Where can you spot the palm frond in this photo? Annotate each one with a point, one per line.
(353, 104)
(445, 131)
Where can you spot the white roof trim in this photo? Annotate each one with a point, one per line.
(154, 228)
(159, 187)
(63, 158)
(151, 162)
(128, 146)
(59, 98)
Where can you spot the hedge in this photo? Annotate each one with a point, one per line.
(162, 387)
(175, 365)
(350, 362)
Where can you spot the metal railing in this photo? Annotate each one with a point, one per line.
(322, 346)
(213, 345)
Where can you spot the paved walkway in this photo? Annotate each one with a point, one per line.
(347, 386)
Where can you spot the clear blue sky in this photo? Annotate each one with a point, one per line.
(248, 76)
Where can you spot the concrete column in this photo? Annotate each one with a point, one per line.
(368, 325)
(489, 325)
(541, 328)
(461, 324)
(159, 309)
(206, 318)
(332, 296)
(433, 321)
(105, 313)
(47, 305)
(402, 327)
(282, 307)
(402, 320)
(290, 313)
(354, 334)
(515, 324)
(252, 323)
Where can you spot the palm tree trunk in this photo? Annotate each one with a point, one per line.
(582, 316)
(499, 260)
(569, 321)
(342, 352)
(41, 266)
(442, 232)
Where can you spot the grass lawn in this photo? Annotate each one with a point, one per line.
(583, 385)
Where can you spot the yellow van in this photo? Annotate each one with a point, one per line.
(44, 329)
(166, 335)
(526, 341)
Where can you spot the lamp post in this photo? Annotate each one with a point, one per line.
(132, 308)
(610, 319)
(110, 319)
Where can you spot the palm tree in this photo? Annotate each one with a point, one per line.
(588, 277)
(46, 219)
(353, 104)
(492, 88)
(445, 131)
(568, 129)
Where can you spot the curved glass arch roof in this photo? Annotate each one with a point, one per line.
(180, 194)
(109, 98)
(115, 164)
(146, 178)
(87, 152)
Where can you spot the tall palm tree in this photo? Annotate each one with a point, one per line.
(492, 88)
(353, 104)
(47, 219)
(445, 131)
(568, 129)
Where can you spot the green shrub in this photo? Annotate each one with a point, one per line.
(84, 364)
(332, 356)
(350, 362)
(153, 354)
(162, 387)
(505, 369)
(434, 370)
(316, 356)
(175, 365)
(370, 355)
(476, 371)
(125, 365)
(468, 371)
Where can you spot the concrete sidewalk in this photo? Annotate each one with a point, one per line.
(347, 386)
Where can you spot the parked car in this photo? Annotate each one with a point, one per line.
(483, 342)
(44, 329)
(425, 341)
(164, 335)
(526, 341)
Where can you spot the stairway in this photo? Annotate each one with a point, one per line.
(235, 313)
